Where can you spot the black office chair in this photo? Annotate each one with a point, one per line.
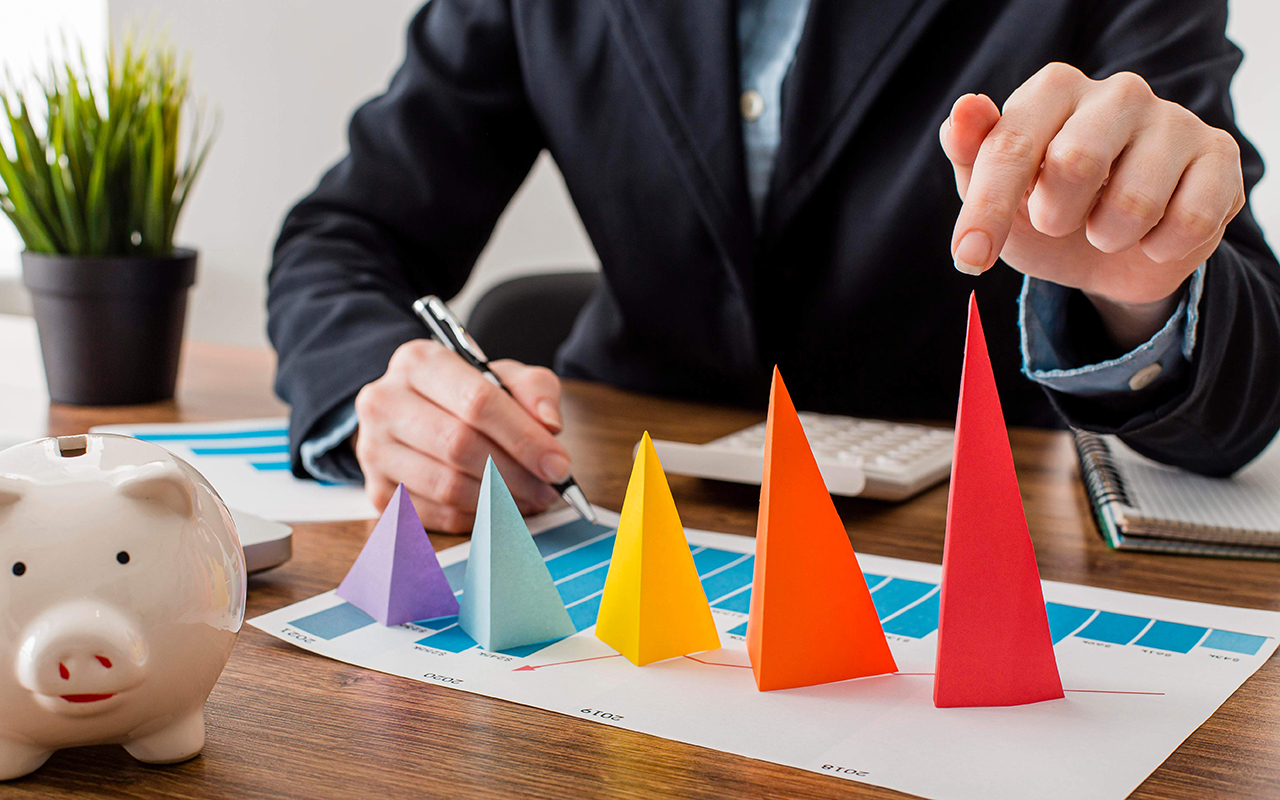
(528, 318)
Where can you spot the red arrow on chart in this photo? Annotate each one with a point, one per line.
(531, 668)
(1082, 691)
(717, 663)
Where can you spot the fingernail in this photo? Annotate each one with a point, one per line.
(973, 251)
(555, 468)
(548, 413)
(547, 495)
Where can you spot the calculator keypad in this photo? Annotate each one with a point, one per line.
(888, 449)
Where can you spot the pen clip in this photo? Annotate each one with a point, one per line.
(465, 342)
(446, 327)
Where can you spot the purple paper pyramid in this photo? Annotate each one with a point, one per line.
(396, 577)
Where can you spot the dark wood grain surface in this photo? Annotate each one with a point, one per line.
(286, 723)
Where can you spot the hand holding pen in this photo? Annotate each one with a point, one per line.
(432, 419)
(448, 331)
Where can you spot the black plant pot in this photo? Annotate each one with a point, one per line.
(110, 328)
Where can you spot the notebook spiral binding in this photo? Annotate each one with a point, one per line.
(1098, 471)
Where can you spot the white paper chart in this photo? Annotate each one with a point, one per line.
(1141, 673)
(247, 462)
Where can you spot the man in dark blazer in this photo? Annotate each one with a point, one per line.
(763, 182)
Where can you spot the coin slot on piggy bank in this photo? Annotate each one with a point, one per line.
(72, 446)
(124, 595)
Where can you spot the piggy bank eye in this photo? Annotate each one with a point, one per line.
(123, 557)
(19, 569)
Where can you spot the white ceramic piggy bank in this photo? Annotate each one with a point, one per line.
(122, 590)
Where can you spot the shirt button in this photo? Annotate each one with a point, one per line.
(751, 105)
(1143, 377)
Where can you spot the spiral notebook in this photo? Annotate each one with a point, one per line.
(1139, 504)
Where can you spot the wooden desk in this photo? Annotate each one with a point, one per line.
(285, 723)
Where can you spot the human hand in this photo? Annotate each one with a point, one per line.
(431, 420)
(1095, 185)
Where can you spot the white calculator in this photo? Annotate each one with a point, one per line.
(857, 457)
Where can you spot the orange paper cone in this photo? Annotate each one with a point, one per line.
(812, 620)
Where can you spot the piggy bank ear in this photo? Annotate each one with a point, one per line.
(159, 482)
(12, 488)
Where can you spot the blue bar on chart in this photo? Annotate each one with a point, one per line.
(918, 621)
(564, 536)
(730, 579)
(584, 613)
(247, 450)
(573, 590)
(1113, 628)
(708, 559)
(1063, 620)
(1171, 636)
(269, 466)
(740, 602)
(1245, 644)
(452, 640)
(333, 622)
(740, 630)
(195, 436)
(897, 594)
(455, 574)
(563, 564)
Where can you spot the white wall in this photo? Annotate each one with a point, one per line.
(1255, 26)
(286, 75)
(30, 32)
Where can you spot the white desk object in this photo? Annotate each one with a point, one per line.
(266, 543)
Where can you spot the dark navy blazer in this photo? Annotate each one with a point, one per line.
(846, 283)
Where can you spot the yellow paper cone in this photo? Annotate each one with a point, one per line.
(653, 606)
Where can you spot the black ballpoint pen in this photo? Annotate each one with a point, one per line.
(444, 326)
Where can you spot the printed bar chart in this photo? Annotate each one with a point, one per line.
(1139, 672)
(577, 556)
(247, 450)
(269, 447)
(208, 436)
(248, 461)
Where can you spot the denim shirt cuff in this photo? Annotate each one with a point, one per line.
(1043, 320)
(327, 455)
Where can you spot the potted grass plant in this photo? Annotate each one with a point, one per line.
(91, 177)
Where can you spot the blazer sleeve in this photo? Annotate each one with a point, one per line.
(1227, 409)
(432, 163)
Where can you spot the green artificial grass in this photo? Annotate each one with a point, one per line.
(100, 174)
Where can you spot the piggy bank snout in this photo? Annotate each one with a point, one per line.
(78, 654)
